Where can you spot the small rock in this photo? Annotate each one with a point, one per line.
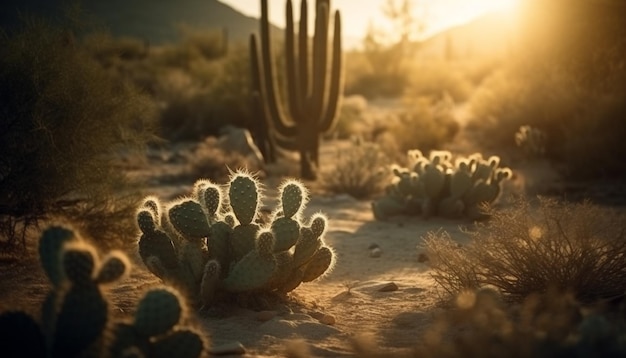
(316, 314)
(265, 316)
(327, 319)
(389, 287)
(231, 348)
(373, 246)
(376, 253)
(422, 257)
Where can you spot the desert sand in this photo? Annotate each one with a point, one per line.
(380, 286)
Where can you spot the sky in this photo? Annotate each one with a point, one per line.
(357, 14)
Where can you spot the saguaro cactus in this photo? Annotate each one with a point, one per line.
(313, 92)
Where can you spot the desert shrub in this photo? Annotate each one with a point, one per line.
(577, 248)
(351, 116)
(437, 185)
(424, 123)
(434, 79)
(216, 164)
(205, 97)
(63, 119)
(360, 171)
(481, 324)
(76, 319)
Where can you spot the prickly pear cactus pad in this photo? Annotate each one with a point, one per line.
(437, 185)
(213, 244)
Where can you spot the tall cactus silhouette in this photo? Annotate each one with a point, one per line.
(313, 91)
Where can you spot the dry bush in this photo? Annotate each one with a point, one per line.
(522, 250)
(359, 170)
(481, 325)
(209, 161)
(64, 120)
(425, 124)
(351, 117)
(432, 79)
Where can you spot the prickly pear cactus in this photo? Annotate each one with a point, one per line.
(214, 243)
(434, 186)
(156, 329)
(74, 315)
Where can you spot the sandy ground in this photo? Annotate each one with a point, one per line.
(391, 297)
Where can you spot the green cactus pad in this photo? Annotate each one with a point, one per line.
(158, 312)
(16, 327)
(321, 262)
(146, 221)
(286, 231)
(51, 242)
(230, 219)
(152, 204)
(188, 218)
(244, 197)
(460, 183)
(181, 344)
(318, 225)
(306, 247)
(293, 197)
(114, 266)
(194, 257)
(73, 337)
(284, 268)
(387, 206)
(158, 244)
(243, 240)
(293, 281)
(434, 180)
(252, 272)
(211, 199)
(265, 244)
(79, 263)
(127, 340)
(218, 243)
(210, 281)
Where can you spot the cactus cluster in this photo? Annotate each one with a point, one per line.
(75, 318)
(433, 185)
(215, 243)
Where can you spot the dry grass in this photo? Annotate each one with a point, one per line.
(578, 248)
(358, 171)
(212, 162)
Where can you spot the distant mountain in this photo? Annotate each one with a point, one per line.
(153, 20)
(491, 34)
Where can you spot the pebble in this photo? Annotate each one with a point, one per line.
(376, 253)
(231, 348)
(388, 287)
(327, 319)
(265, 316)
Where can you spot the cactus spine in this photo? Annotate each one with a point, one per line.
(313, 92)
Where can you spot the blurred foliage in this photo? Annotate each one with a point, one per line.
(424, 123)
(569, 80)
(63, 120)
(361, 171)
(524, 250)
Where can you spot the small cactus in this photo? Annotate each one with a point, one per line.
(435, 186)
(155, 331)
(233, 252)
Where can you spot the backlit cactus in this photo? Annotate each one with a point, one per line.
(434, 186)
(238, 252)
(155, 330)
